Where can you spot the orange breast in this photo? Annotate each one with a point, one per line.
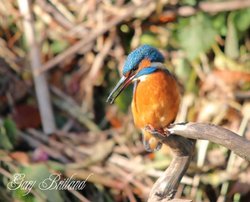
(156, 100)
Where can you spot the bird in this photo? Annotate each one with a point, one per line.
(156, 94)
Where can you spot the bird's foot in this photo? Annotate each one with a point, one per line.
(160, 134)
(151, 145)
(150, 142)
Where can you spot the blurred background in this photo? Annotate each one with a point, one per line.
(59, 59)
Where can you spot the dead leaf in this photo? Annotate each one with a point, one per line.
(21, 157)
(224, 81)
(26, 116)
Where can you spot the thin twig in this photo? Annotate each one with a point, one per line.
(41, 85)
(232, 158)
(126, 13)
(70, 106)
(99, 59)
(36, 143)
(209, 7)
(57, 16)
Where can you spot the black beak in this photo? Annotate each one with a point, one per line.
(120, 86)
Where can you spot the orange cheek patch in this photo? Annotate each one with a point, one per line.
(144, 63)
(127, 74)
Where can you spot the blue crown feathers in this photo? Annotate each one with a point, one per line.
(142, 52)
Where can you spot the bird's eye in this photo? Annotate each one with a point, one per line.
(134, 68)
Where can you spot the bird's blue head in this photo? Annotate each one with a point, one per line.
(144, 52)
(138, 63)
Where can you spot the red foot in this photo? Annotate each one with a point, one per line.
(158, 133)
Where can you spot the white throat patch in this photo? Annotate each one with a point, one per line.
(143, 78)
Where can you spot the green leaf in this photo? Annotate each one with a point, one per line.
(191, 85)
(39, 173)
(197, 36)
(5, 142)
(150, 39)
(188, 2)
(219, 23)
(20, 194)
(242, 19)
(124, 99)
(11, 129)
(58, 46)
(183, 69)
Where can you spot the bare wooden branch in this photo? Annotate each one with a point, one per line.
(165, 187)
(181, 144)
(216, 134)
(209, 7)
(41, 85)
(223, 6)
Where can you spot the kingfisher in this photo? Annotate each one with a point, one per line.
(156, 95)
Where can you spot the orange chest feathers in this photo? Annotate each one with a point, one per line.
(156, 100)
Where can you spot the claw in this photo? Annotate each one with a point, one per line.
(146, 145)
(151, 144)
(155, 145)
(157, 133)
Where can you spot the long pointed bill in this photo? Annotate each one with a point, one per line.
(120, 86)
